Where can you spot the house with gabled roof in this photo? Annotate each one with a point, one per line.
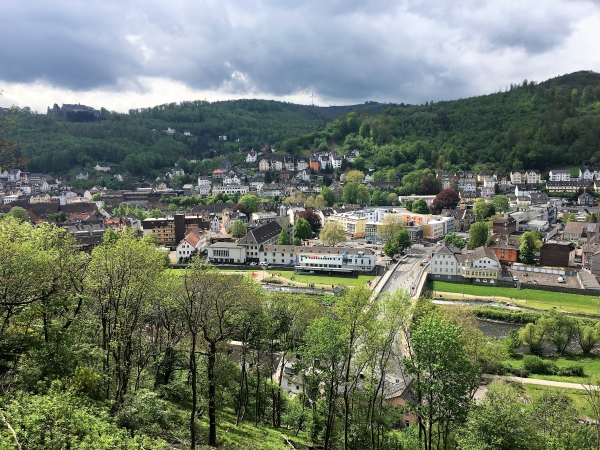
(193, 243)
(264, 234)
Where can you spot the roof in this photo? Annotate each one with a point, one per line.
(479, 252)
(261, 234)
(505, 241)
(575, 227)
(447, 249)
(321, 250)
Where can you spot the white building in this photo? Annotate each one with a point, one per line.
(302, 164)
(444, 262)
(560, 175)
(336, 161)
(263, 165)
(229, 189)
(193, 243)
(251, 157)
(226, 253)
(204, 181)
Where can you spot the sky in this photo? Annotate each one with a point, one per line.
(140, 53)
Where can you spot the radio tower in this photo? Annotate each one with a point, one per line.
(312, 97)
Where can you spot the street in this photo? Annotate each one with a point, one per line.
(405, 276)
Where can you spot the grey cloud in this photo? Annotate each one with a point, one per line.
(351, 50)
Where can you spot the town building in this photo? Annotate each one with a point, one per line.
(505, 247)
(556, 253)
(170, 231)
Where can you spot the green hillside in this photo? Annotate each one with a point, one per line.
(137, 143)
(531, 125)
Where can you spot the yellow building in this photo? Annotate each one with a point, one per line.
(354, 225)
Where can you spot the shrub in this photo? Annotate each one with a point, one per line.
(503, 315)
(573, 370)
(538, 366)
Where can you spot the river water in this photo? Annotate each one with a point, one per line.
(500, 330)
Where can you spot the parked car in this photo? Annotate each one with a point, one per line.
(253, 264)
(515, 278)
(525, 274)
(561, 279)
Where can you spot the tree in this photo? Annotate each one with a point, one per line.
(561, 330)
(531, 242)
(328, 195)
(354, 176)
(283, 238)
(500, 203)
(478, 234)
(482, 209)
(498, 422)
(362, 195)
(58, 217)
(332, 233)
(390, 248)
(568, 218)
(302, 229)
(156, 214)
(96, 197)
(19, 213)
(455, 241)
(250, 203)
(312, 218)
(447, 199)
(211, 303)
(238, 228)
(390, 225)
(556, 419)
(350, 192)
(379, 198)
(586, 336)
(408, 204)
(420, 207)
(124, 275)
(402, 240)
(444, 380)
(297, 241)
(535, 334)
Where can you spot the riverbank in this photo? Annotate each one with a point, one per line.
(527, 298)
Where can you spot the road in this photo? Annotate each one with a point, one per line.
(406, 274)
(559, 384)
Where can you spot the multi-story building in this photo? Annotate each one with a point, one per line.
(193, 243)
(171, 230)
(481, 265)
(301, 164)
(231, 189)
(505, 247)
(444, 263)
(571, 186)
(533, 176)
(560, 175)
(263, 165)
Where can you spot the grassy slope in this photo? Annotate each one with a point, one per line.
(590, 363)
(578, 397)
(531, 298)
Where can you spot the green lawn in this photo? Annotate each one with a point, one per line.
(590, 363)
(324, 280)
(318, 280)
(531, 298)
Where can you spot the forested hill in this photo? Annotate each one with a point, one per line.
(530, 125)
(137, 142)
(555, 123)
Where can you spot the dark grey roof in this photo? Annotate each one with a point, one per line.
(261, 234)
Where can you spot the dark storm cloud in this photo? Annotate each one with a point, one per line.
(354, 50)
